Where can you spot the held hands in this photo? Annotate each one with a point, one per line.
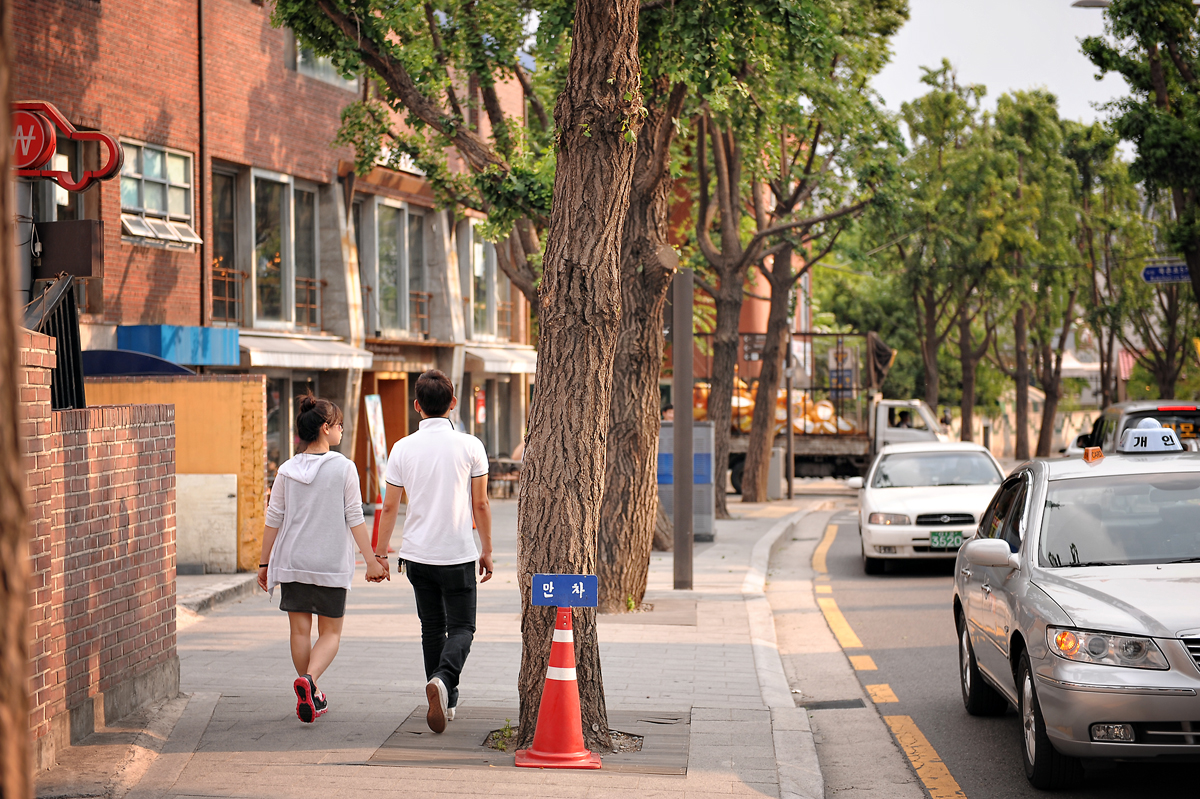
(485, 567)
(378, 569)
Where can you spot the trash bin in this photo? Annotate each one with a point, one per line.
(703, 498)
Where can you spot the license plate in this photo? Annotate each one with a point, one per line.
(945, 539)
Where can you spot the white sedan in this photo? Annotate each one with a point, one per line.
(919, 500)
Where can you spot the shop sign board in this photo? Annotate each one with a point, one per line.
(33, 140)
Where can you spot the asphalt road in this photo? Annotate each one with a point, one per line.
(904, 621)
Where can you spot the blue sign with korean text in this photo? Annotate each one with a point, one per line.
(1167, 273)
(565, 590)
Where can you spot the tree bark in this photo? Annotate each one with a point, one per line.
(627, 515)
(15, 758)
(664, 532)
(728, 301)
(562, 484)
(930, 344)
(966, 357)
(757, 471)
(1021, 377)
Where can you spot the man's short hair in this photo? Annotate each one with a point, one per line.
(434, 392)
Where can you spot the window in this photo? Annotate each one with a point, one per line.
(227, 279)
(418, 294)
(390, 253)
(399, 273)
(156, 195)
(308, 301)
(303, 60)
(477, 264)
(270, 198)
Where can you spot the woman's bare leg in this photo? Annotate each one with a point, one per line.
(329, 638)
(301, 641)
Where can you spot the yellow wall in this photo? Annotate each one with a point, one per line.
(220, 428)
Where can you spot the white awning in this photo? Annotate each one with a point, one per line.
(504, 360)
(288, 352)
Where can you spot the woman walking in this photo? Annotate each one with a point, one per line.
(313, 521)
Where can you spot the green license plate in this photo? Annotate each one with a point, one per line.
(945, 539)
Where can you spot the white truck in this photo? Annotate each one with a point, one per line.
(841, 445)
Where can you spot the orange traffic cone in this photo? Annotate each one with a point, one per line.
(558, 738)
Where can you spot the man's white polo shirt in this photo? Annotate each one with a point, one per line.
(435, 465)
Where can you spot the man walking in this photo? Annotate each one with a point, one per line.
(444, 473)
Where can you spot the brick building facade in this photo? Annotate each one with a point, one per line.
(237, 238)
(101, 493)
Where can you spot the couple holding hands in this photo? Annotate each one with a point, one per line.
(308, 543)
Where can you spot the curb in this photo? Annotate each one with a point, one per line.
(236, 587)
(795, 750)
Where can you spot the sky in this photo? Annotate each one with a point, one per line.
(1005, 45)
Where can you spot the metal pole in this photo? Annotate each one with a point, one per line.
(790, 467)
(682, 351)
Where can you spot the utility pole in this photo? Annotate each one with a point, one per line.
(682, 352)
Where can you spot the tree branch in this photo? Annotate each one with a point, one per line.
(443, 61)
(527, 86)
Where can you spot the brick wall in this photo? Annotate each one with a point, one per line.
(102, 517)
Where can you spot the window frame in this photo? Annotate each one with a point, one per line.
(134, 224)
(301, 185)
(287, 268)
(370, 265)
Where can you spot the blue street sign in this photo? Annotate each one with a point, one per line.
(1167, 273)
(565, 590)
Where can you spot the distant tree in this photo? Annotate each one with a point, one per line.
(1155, 46)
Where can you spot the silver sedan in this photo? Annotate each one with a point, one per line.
(1077, 601)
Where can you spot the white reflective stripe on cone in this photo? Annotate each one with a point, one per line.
(564, 636)
(555, 673)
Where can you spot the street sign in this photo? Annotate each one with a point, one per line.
(565, 590)
(57, 124)
(33, 140)
(1167, 273)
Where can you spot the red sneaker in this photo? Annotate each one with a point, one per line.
(306, 689)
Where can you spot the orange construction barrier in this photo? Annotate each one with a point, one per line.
(558, 737)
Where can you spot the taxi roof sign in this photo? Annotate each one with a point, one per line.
(1148, 437)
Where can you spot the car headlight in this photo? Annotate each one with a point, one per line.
(1106, 649)
(887, 518)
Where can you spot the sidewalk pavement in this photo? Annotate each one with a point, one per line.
(233, 731)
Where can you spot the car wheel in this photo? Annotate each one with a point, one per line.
(870, 565)
(1045, 767)
(979, 698)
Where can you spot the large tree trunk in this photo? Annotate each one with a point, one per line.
(1021, 376)
(757, 471)
(728, 300)
(631, 488)
(15, 762)
(562, 483)
(968, 360)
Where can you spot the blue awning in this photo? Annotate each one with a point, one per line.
(126, 363)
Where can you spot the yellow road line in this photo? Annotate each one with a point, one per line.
(863, 663)
(824, 589)
(818, 560)
(838, 624)
(924, 758)
(882, 693)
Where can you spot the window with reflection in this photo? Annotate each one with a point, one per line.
(269, 199)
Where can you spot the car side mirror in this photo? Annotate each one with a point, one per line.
(854, 483)
(991, 552)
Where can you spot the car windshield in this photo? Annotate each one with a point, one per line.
(917, 469)
(1185, 424)
(1118, 521)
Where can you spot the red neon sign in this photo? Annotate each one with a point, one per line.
(51, 116)
(33, 140)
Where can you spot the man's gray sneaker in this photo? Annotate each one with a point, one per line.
(435, 692)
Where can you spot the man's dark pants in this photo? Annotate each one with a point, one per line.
(446, 606)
